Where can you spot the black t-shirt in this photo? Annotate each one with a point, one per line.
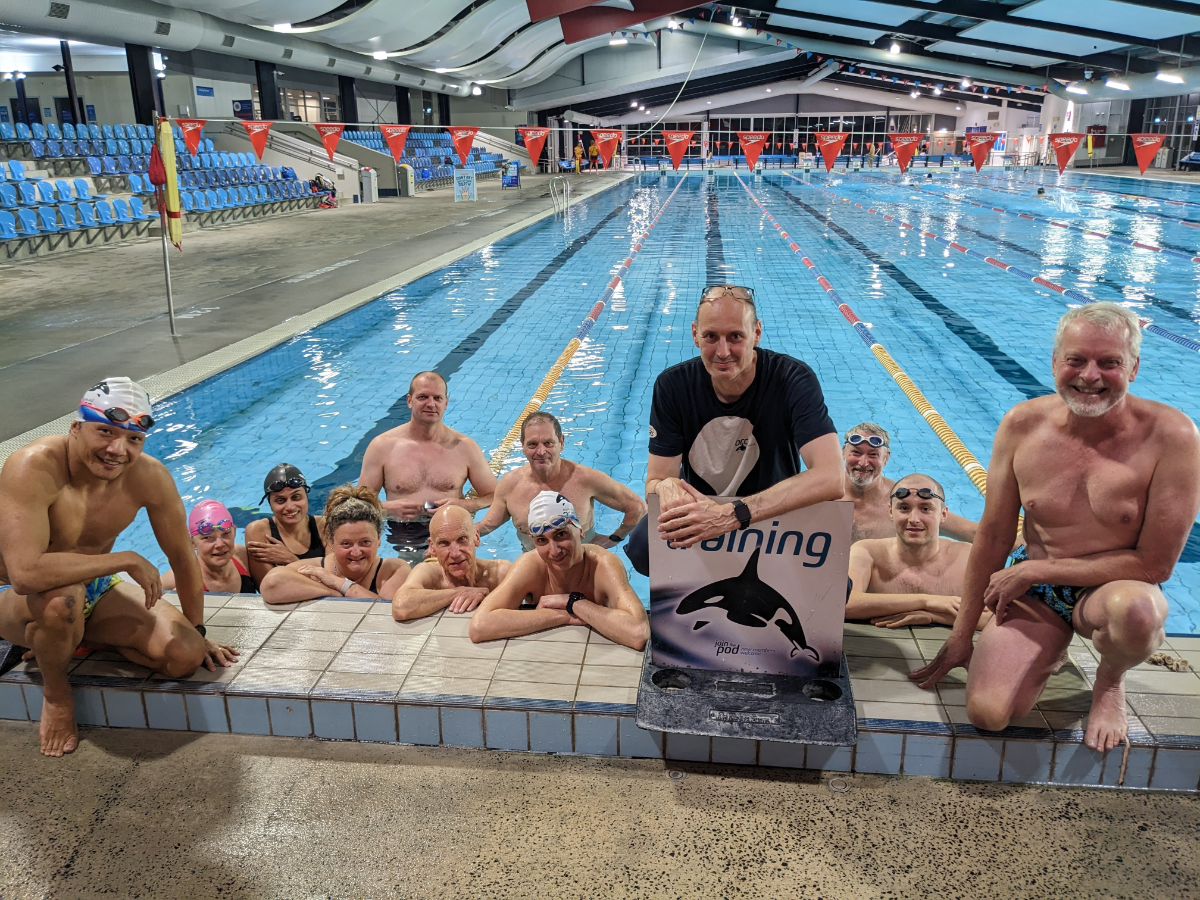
(739, 448)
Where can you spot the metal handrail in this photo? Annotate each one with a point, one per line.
(560, 193)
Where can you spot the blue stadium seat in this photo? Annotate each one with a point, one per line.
(121, 211)
(185, 201)
(244, 196)
(110, 147)
(8, 196)
(38, 130)
(119, 132)
(8, 226)
(110, 166)
(28, 220)
(7, 132)
(45, 192)
(187, 180)
(123, 165)
(63, 190)
(137, 163)
(222, 159)
(53, 131)
(68, 131)
(16, 170)
(135, 183)
(95, 167)
(137, 211)
(104, 212)
(37, 149)
(214, 201)
(275, 176)
(201, 201)
(23, 132)
(123, 148)
(69, 148)
(208, 144)
(69, 221)
(145, 133)
(53, 149)
(93, 132)
(87, 215)
(223, 199)
(106, 132)
(49, 220)
(82, 191)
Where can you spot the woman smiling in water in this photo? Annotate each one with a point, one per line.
(222, 559)
(290, 533)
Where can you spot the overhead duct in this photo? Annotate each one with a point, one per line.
(142, 22)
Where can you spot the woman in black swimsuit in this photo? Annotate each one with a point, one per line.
(352, 567)
(290, 534)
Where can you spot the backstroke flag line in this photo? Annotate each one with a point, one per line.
(1145, 148)
(677, 144)
(1064, 148)
(331, 133)
(193, 130)
(905, 143)
(535, 140)
(463, 138)
(606, 142)
(257, 132)
(980, 144)
(395, 135)
(752, 145)
(830, 144)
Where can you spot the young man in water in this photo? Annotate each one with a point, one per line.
(546, 470)
(455, 579)
(569, 583)
(1110, 486)
(422, 465)
(63, 502)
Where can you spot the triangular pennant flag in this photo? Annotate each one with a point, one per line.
(193, 130)
(535, 139)
(606, 142)
(980, 144)
(1145, 147)
(752, 144)
(905, 143)
(331, 133)
(395, 135)
(1064, 148)
(463, 138)
(677, 144)
(257, 131)
(830, 144)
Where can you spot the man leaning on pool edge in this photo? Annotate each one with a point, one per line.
(736, 421)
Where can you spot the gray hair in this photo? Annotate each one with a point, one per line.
(1108, 316)
(348, 504)
(870, 428)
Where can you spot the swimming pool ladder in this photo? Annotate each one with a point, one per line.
(560, 193)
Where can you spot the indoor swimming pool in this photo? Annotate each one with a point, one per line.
(976, 339)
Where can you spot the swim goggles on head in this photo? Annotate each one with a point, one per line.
(207, 528)
(119, 416)
(873, 439)
(923, 493)
(553, 525)
(294, 482)
(737, 292)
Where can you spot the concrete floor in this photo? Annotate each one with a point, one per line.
(164, 815)
(70, 319)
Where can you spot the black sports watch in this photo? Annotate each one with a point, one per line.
(203, 631)
(573, 598)
(615, 538)
(742, 511)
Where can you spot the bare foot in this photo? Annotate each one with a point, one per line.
(1062, 662)
(1107, 722)
(58, 732)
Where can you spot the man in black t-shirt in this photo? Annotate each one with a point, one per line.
(734, 422)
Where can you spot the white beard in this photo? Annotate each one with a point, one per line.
(1089, 407)
(859, 481)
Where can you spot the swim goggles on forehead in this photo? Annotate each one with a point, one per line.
(206, 528)
(296, 481)
(737, 292)
(923, 493)
(873, 440)
(553, 525)
(119, 416)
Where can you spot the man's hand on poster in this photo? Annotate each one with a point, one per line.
(692, 517)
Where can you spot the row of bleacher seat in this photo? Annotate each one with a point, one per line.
(203, 201)
(19, 131)
(38, 193)
(28, 222)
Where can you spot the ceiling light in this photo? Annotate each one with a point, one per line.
(966, 83)
(633, 103)
(735, 21)
(768, 90)
(476, 90)
(282, 26)
(642, 108)
(441, 71)
(617, 42)
(672, 24)
(1116, 85)
(894, 48)
(1075, 89)
(915, 94)
(937, 92)
(958, 107)
(379, 54)
(1169, 77)
(709, 102)
(20, 76)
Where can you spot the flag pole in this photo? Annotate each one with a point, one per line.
(163, 228)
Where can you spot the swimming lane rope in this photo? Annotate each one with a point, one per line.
(1069, 293)
(500, 454)
(964, 457)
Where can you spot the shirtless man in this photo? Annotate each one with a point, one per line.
(865, 451)
(571, 583)
(63, 502)
(455, 578)
(423, 465)
(914, 577)
(1110, 489)
(542, 444)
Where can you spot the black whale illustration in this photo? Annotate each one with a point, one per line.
(750, 601)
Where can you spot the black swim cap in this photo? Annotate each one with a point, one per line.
(283, 476)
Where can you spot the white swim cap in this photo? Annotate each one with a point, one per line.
(117, 401)
(549, 511)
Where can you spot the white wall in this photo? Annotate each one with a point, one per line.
(220, 105)
(108, 92)
(371, 110)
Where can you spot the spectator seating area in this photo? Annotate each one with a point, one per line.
(432, 156)
(52, 201)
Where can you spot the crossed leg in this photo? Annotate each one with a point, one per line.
(161, 638)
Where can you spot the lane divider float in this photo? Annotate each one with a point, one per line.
(973, 468)
(500, 454)
(1175, 220)
(1069, 293)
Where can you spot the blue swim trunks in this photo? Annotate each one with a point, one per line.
(94, 590)
(1059, 597)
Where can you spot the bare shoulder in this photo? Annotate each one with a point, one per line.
(494, 571)
(510, 480)
(426, 574)
(875, 548)
(152, 481)
(45, 456)
(955, 550)
(1168, 423)
(456, 440)
(255, 530)
(606, 561)
(1027, 415)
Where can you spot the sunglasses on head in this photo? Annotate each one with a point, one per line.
(296, 481)
(737, 292)
(873, 440)
(923, 493)
(207, 528)
(119, 416)
(553, 525)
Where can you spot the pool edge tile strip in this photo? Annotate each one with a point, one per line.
(173, 381)
(500, 454)
(1070, 293)
(973, 468)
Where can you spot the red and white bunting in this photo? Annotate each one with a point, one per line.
(257, 132)
(830, 143)
(535, 140)
(752, 144)
(905, 143)
(396, 136)
(331, 133)
(677, 144)
(1064, 148)
(193, 130)
(980, 144)
(1145, 148)
(463, 138)
(606, 142)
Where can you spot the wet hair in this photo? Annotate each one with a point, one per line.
(426, 374)
(869, 428)
(937, 485)
(350, 503)
(541, 416)
(1106, 315)
(749, 301)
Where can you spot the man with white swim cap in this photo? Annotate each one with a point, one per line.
(64, 500)
(563, 581)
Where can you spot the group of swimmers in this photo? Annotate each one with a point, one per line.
(1107, 482)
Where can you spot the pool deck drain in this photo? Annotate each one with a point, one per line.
(345, 670)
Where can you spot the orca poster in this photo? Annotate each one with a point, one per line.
(771, 598)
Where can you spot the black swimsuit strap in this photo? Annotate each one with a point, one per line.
(315, 541)
(274, 529)
(378, 566)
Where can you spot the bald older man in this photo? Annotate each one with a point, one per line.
(454, 578)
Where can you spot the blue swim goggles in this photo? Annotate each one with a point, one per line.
(553, 525)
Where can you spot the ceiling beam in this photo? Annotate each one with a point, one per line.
(594, 21)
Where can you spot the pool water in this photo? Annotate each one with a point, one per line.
(975, 340)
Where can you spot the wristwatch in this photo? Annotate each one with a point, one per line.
(615, 538)
(573, 598)
(742, 511)
(203, 631)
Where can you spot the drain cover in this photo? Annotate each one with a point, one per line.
(676, 775)
(839, 785)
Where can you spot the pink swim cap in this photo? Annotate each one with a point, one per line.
(208, 515)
